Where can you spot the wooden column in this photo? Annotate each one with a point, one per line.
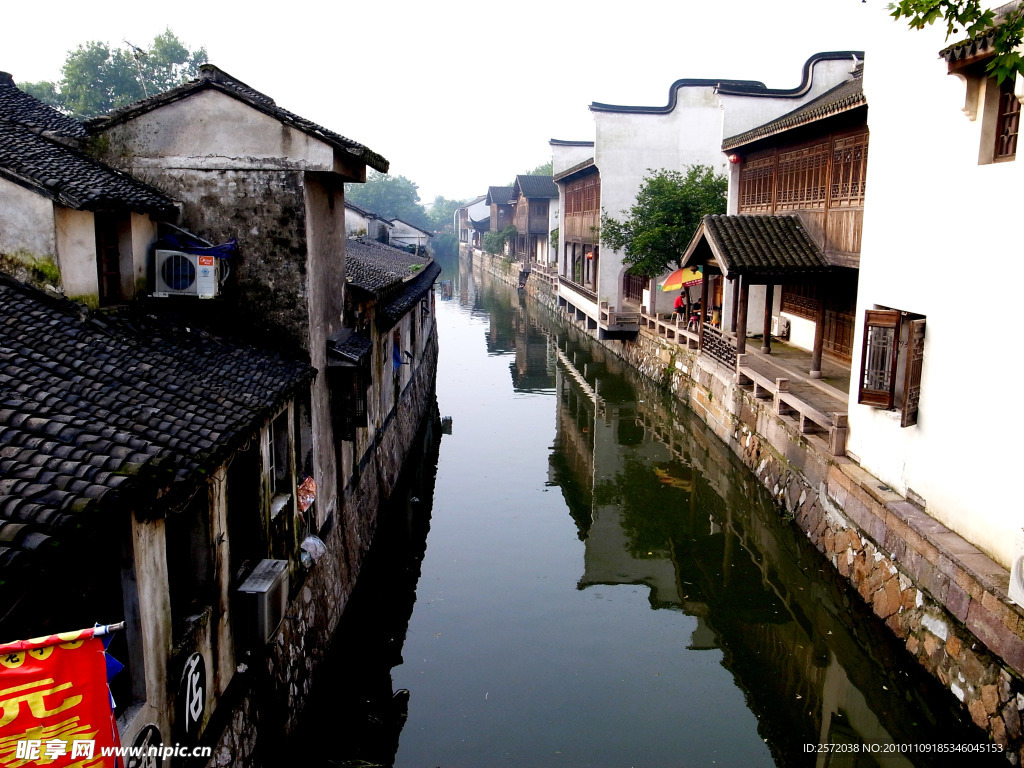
(703, 307)
(819, 337)
(741, 320)
(769, 299)
(735, 301)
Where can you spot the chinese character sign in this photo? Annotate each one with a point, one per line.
(54, 703)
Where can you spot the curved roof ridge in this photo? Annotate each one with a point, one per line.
(734, 87)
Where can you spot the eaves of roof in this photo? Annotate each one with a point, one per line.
(752, 88)
(759, 246)
(71, 178)
(564, 143)
(845, 97)
(978, 47)
(568, 173)
(212, 77)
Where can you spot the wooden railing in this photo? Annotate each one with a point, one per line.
(718, 346)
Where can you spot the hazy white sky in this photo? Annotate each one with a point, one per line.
(457, 95)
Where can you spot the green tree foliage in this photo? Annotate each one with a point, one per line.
(494, 242)
(96, 78)
(974, 19)
(442, 212)
(445, 245)
(669, 207)
(393, 197)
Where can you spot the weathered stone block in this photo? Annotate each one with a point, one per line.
(957, 601)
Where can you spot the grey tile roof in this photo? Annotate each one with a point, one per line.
(350, 345)
(571, 171)
(411, 292)
(217, 79)
(70, 177)
(376, 267)
(36, 153)
(981, 45)
(760, 245)
(500, 195)
(842, 98)
(17, 106)
(536, 186)
(99, 415)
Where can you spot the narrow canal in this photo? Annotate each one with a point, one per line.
(579, 574)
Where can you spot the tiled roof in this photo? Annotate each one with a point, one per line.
(17, 106)
(100, 414)
(70, 177)
(500, 195)
(411, 292)
(565, 143)
(586, 164)
(759, 245)
(217, 79)
(362, 211)
(35, 153)
(350, 346)
(536, 186)
(980, 45)
(376, 267)
(844, 97)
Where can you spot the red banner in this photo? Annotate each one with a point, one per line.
(55, 704)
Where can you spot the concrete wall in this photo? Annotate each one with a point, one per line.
(76, 253)
(930, 205)
(26, 223)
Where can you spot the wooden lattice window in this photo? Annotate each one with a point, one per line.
(756, 180)
(802, 177)
(1008, 122)
(849, 167)
(801, 299)
(892, 360)
(633, 287)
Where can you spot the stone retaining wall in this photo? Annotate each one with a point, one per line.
(946, 600)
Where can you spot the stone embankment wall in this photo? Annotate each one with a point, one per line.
(269, 696)
(946, 600)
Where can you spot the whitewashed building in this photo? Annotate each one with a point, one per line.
(688, 130)
(929, 341)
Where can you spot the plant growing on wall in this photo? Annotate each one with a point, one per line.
(494, 242)
(668, 209)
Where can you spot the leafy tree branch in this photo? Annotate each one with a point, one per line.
(669, 208)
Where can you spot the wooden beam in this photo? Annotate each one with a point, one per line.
(819, 337)
(741, 328)
(769, 298)
(735, 301)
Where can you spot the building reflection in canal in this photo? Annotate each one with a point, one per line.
(658, 503)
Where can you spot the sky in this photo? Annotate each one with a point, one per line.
(458, 96)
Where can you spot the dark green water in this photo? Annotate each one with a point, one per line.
(582, 575)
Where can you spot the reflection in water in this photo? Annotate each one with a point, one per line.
(533, 641)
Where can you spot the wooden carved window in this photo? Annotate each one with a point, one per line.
(801, 299)
(1008, 122)
(756, 181)
(849, 167)
(802, 178)
(892, 359)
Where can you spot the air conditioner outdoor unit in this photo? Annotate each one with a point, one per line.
(186, 274)
(1017, 569)
(265, 594)
(780, 326)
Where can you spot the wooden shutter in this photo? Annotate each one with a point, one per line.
(912, 379)
(879, 357)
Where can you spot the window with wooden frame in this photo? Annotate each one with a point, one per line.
(802, 176)
(756, 181)
(1007, 122)
(892, 358)
(849, 169)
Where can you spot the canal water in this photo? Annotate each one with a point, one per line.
(577, 573)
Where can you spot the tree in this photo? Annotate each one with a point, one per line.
(975, 21)
(442, 212)
(392, 197)
(494, 242)
(669, 208)
(96, 78)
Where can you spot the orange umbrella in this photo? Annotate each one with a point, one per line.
(680, 278)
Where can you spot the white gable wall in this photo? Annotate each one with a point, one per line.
(939, 240)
